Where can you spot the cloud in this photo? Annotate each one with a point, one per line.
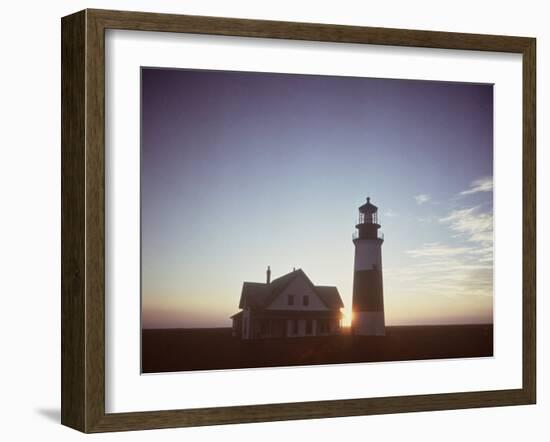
(425, 219)
(474, 225)
(463, 268)
(484, 184)
(390, 213)
(437, 250)
(422, 198)
(449, 272)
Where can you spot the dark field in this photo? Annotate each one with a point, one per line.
(215, 348)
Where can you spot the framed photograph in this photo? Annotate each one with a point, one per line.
(272, 220)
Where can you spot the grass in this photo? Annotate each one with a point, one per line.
(169, 350)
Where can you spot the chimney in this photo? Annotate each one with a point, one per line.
(268, 275)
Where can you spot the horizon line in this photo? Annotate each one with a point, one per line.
(343, 326)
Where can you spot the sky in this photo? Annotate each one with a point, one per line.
(241, 170)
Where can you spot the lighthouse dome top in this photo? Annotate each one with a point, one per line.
(368, 207)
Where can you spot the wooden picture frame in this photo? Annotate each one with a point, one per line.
(83, 220)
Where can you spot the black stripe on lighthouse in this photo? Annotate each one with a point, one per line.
(367, 291)
(368, 303)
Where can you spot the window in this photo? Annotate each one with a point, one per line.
(306, 300)
(309, 327)
(290, 299)
(295, 328)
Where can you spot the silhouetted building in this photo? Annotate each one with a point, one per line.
(368, 298)
(289, 306)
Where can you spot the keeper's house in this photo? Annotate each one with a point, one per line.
(289, 306)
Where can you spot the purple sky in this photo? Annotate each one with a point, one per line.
(241, 170)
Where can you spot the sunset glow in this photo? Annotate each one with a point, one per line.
(245, 170)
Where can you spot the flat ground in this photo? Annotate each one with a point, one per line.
(207, 349)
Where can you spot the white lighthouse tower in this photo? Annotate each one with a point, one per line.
(368, 299)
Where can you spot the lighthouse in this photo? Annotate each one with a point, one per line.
(368, 299)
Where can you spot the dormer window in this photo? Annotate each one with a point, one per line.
(290, 299)
(306, 300)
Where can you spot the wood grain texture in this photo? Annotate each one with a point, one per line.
(83, 220)
(529, 221)
(308, 410)
(95, 222)
(73, 125)
(145, 21)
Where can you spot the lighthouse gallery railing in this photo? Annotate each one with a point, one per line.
(355, 235)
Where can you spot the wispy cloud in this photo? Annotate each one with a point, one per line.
(461, 268)
(390, 213)
(425, 219)
(422, 198)
(447, 272)
(484, 184)
(472, 223)
(437, 250)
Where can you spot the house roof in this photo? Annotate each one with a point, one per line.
(260, 295)
(330, 296)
